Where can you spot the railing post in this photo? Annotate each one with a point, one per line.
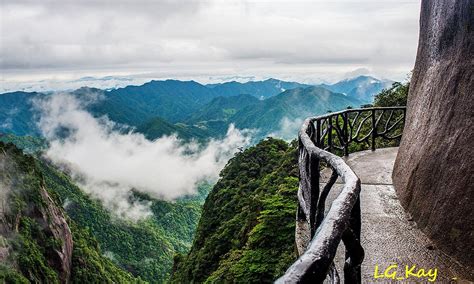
(314, 186)
(354, 250)
(303, 171)
(329, 133)
(374, 130)
(346, 134)
(318, 133)
(314, 170)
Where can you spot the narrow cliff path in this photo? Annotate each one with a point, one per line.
(389, 236)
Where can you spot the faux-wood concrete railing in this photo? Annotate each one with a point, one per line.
(334, 132)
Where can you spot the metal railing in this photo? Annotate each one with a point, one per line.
(318, 235)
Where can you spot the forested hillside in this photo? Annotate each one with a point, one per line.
(39, 243)
(222, 108)
(209, 121)
(171, 99)
(158, 127)
(246, 232)
(17, 115)
(144, 249)
(266, 116)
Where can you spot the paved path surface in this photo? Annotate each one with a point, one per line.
(389, 236)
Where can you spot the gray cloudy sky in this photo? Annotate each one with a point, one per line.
(209, 40)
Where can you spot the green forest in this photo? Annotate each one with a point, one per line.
(253, 202)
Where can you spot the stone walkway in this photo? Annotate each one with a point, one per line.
(389, 236)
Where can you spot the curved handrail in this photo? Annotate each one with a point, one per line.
(343, 220)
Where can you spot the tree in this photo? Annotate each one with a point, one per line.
(394, 96)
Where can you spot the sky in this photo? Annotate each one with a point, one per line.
(208, 41)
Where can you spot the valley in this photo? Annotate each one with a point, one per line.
(155, 248)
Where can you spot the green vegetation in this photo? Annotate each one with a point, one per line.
(21, 185)
(246, 232)
(157, 127)
(267, 115)
(106, 248)
(144, 248)
(29, 144)
(396, 95)
(17, 113)
(90, 266)
(245, 111)
(222, 108)
(10, 275)
(188, 108)
(28, 239)
(171, 100)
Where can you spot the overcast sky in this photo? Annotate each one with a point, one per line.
(308, 41)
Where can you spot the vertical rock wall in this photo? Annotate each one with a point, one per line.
(56, 225)
(433, 173)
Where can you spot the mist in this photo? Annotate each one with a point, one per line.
(288, 129)
(108, 162)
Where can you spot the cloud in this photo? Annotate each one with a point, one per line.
(108, 163)
(358, 72)
(288, 129)
(315, 39)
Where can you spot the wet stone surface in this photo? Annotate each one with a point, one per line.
(389, 236)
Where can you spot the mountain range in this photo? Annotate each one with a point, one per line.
(259, 89)
(363, 88)
(194, 110)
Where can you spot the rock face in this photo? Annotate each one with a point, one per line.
(55, 224)
(433, 173)
(23, 196)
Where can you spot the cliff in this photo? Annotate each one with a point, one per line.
(38, 241)
(29, 211)
(433, 173)
(55, 224)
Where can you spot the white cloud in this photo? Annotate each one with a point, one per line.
(108, 163)
(303, 40)
(288, 129)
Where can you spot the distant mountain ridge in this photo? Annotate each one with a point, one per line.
(362, 88)
(259, 89)
(172, 100)
(299, 103)
(190, 108)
